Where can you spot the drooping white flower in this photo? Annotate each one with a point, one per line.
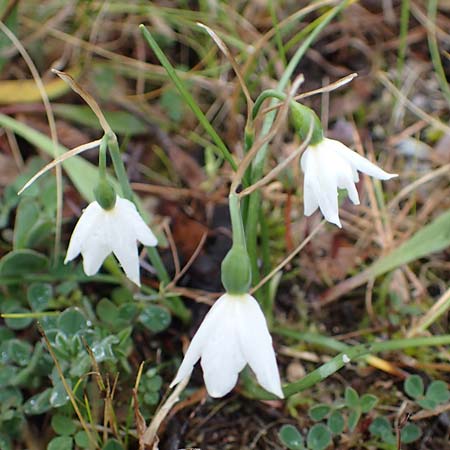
(330, 165)
(234, 333)
(100, 232)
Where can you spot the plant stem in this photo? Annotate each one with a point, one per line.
(176, 304)
(187, 96)
(257, 170)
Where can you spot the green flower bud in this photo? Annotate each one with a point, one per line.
(301, 119)
(105, 194)
(236, 271)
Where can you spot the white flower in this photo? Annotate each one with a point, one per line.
(234, 333)
(100, 232)
(330, 165)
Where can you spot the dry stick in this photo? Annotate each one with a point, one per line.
(260, 142)
(417, 183)
(328, 88)
(51, 123)
(87, 98)
(439, 308)
(189, 263)
(410, 105)
(289, 258)
(202, 81)
(150, 433)
(173, 247)
(276, 170)
(224, 49)
(61, 159)
(266, 38)
(66, 386)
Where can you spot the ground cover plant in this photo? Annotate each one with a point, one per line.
(261, 186)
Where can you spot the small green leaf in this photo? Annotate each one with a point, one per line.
(382, 428)
(410, 433)
(413, 386)
(107, 311)
(427, 403)
(19, 351)
(39, 296)
(351, 398)
(17, 323)
(155, 318)
(319, 437)
(319, 412)
(438, 392)
(39, 403)
(151, 398)
(72, 321)
(336, 422)
(58, 396)
(291, 437)
(368, 402)
(60, 443)
(353, 419)
(82, 439)
(63, 425)
(112, 444)
(27, 214)
(5, 334)
(154, 383)
(22, 262)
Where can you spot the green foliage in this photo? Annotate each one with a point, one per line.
(381, 428)
(437, 392)
(291, 438)
(155, 318)
(318, 438)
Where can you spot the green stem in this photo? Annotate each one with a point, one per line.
(346, 353)
(119, 167)
(404, 20)
(434, 51)
(236, 221)
(102, 158)
(176, 304)
(187, 96)
(260, 158)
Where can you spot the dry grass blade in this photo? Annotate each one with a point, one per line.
(224, 49)
(86, 97)
(68, 389)
(61, 159)
(276, 170)
(260, 142)
(51, 122)
(150, 434)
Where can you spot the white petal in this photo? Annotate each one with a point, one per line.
(140, 228)
(87, 221)
(345, 177)
(323, 181)
(310, 202)
(256, 344)
(124, 245)
(222, 358)
(359, 162)
(200, 338)
(93, 256)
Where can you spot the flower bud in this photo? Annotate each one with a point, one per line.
(236, 271)
(105, 194)
(301, 119)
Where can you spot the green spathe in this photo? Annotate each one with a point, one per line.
(236, 271)
(105, 194)
(301, 119)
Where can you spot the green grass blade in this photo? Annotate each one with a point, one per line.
(187, 96)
